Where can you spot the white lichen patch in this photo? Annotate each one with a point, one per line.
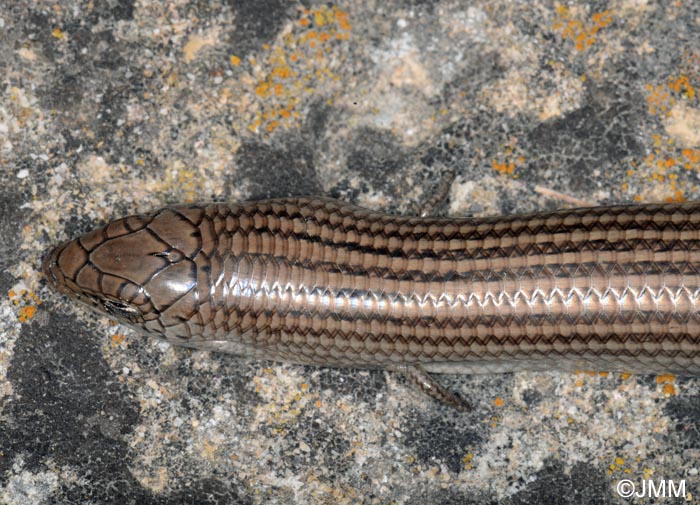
(467, 194)
(521, 91)
(572, 425)
(9, 333)
(26, 488)
(683, 125)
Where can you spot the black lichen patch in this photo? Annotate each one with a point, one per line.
(76, 225)
(531, 397)
(328, 450)
(204, 384)
(256, 23)
(6, 280)
(11, 215)
(448, 497)
(376, 161)
(68, 408)
(686, 414)
(65, 92)
(94, 100)
(360, 385)
(600, 135)
(91, 81)
(118, 10)
(376, 156)
(316, 120)
(268, 172)
(443, 435)
(208, 492)
(584, 484)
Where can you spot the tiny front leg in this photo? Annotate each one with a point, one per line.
(423, 381)
(438, 197)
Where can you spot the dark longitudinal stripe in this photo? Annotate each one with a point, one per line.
(468, 228)
(477, 252)
(552, 270)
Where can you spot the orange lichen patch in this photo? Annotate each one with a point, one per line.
(26, 301)
(24, 296)
(691, 158)
(26, 313)
(583, 33)
(659, 99)
(681, 85)
(509, 163)
(665, 378)
(281, 72)
(589, 373)
(118, 339)
(503, 168)
(185, 180)
(667, 383)
(601, 19)
(235, 60)
(661, 175)
(57, 33)
(662, 97)
(618, 465)
(468, 461)
(676, 197)
(262, 89)
(625, 375)
(343, 20)
(499, 402)
(297, 67)
(669, 390)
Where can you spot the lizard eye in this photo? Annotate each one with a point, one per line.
(121, 309)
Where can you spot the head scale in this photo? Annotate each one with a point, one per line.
(138, 270)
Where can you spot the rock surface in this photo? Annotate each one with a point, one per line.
(117, 107)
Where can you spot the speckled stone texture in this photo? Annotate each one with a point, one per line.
(120, 106)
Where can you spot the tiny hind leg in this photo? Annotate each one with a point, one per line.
(423, 381)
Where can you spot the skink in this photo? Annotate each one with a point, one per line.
(318, 281)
